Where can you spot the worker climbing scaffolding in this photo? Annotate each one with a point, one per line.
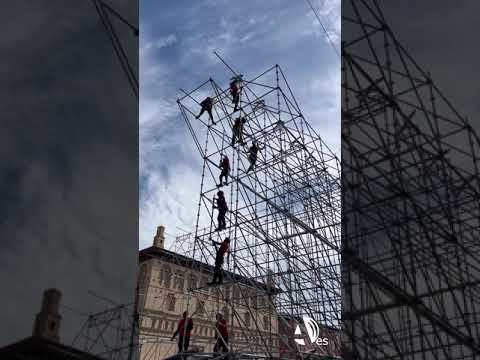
(184, 330)
(237, 130)
(221, 334)
(221, 205)
(235, 91)
(225, 170)
(206, 105)
(253, 155)
(223, 248)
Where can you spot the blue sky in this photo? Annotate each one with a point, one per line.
(177, 40)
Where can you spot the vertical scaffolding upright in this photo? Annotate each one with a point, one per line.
(284, 215)
(411, 190)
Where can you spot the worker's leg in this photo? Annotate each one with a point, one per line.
(180, 344)
(236, 100)
(211, 115)
(220, 274)
(187, 343)
(215, 275)
(220, 221)
(224, 175)
(201, 113)
(224, 344)
(223, 223)
(252, 160)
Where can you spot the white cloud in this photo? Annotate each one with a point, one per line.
(170, 202)
(160, 43)
(169, 164)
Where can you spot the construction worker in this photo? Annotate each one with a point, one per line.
(221, 206)
(225, 169)
(237, 130)
(184, 330)
(207, 105)
(221, 334)
(219, 259)
(235, 92)
(252, 155)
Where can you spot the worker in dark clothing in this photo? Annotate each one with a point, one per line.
(207, 105)
(252, 155)
(184, 330)
(219, 259)
(237, 130)
(222, 207)
(221, 334)
(235, 92)
(225, 170)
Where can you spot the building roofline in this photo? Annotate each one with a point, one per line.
(33, 344)
(182, 260)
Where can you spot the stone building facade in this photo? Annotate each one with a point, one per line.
(165, 283)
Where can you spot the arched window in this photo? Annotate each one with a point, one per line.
(166, 277)
(171, 302)
(266, 323)
(192, 282)
(247, 319)
(179, 281)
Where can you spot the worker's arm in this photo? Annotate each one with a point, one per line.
(176, 332)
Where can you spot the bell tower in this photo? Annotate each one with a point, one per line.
(47, 321)
(159, 239)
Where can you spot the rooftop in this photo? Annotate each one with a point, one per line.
(35, 347)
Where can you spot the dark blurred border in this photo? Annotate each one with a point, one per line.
(69, 150)
(410, 178)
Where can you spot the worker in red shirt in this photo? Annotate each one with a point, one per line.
(184, 330)
(224, 247)
(237, 130)
(253, 155)
(221, 205)
(235, 92)
(225, 167)
(221, 334)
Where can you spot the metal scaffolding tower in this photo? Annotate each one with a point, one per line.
(410, 225)
(284, 215)
(110, 334)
